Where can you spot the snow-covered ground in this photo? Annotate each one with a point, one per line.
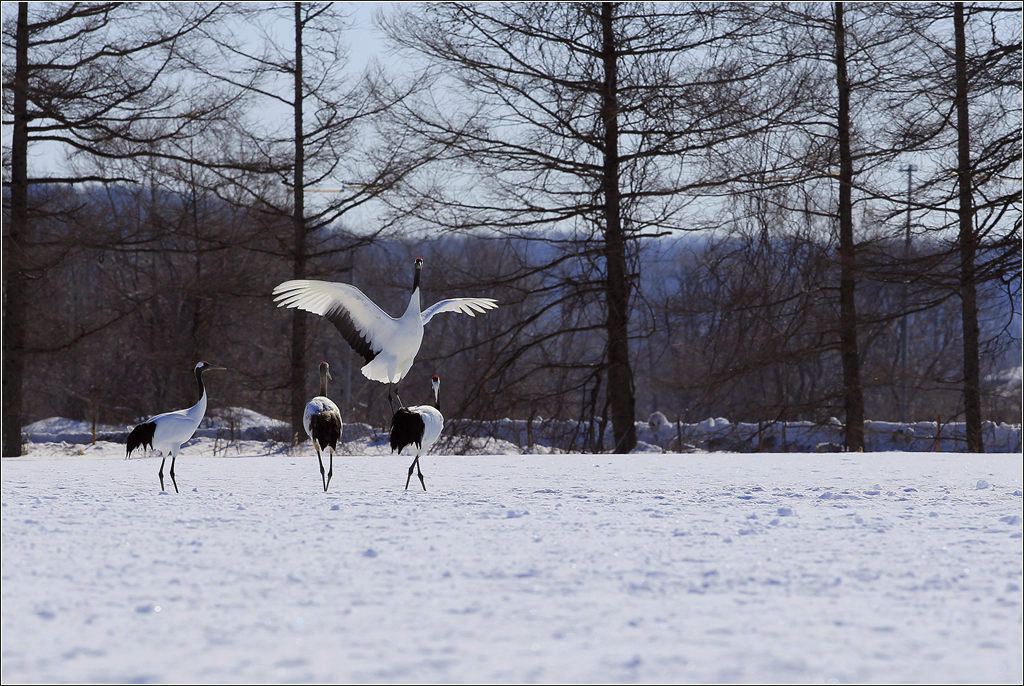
(704, 567)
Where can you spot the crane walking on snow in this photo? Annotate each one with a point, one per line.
(420, 424)
(166, 432)
(322, 420)
(388, 345)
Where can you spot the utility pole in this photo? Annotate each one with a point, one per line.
(904, 408)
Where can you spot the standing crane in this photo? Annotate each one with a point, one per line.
(420, 425)
(322, 421)
(168, 431)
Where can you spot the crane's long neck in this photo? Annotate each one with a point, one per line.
(414, 303)
(412, 311)
(323, 383)
(437, 398)
(198, 411)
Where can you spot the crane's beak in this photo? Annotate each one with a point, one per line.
(212, 368)
(329, 376)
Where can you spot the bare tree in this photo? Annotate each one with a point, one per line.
(98, 80)
(967, 241)
(961, 110)
(849, 351)
(14, 236)
(828, 160)
(328, 161)
(587, 128)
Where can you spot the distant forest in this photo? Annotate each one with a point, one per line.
(758, 211)
(140, 286)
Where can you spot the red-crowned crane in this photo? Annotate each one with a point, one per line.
(322, 420)
(388, 345)
(166, 432)
(420, 425)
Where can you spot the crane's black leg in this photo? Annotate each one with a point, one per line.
(330, 472)
(173, 480)
(419, 473)
(394, 387)
(318, 459)
(409, 476)
(162, 472)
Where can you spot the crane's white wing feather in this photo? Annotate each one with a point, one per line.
(468, 306)
(175, 426)
(364, 325)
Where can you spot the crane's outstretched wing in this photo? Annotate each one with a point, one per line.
(468, 306)
(362, 324)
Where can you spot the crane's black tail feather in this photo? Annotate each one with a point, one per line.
(407, 427)
(325, 427)
(142, 435)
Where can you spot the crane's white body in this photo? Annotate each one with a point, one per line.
(318, 405)
(176, 428)
(433, 423)
(388, 344)
(399, 340)
(168, 431)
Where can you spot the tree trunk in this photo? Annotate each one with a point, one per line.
(620, 392)
(852, 392)
(14, 279)
(968, 245)
(298, 366)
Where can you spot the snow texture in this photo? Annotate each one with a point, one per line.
(697, 568)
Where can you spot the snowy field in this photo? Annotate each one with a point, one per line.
(710, 567)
